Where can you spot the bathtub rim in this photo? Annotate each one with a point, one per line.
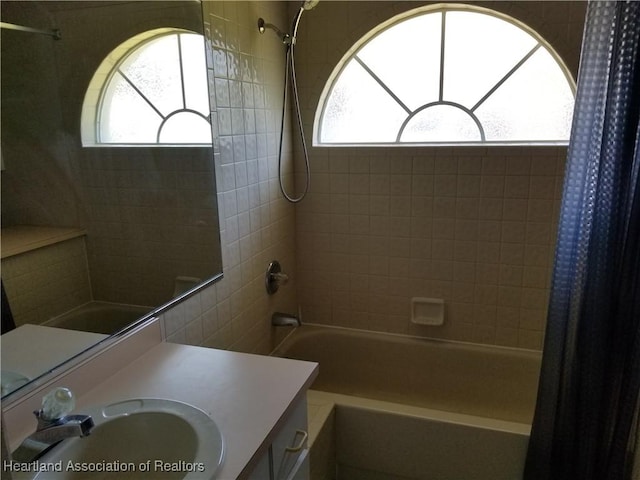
(429, 414)
(366, 403)
(96, 303)
(401, 336)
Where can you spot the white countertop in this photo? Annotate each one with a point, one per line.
(246, 395)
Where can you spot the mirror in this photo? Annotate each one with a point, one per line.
(93, 238)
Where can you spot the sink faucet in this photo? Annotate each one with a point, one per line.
(54, 425)
(279, 319)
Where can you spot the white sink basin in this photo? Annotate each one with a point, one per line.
(140, 439)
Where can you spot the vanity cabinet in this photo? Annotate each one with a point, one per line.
(266, 429)
(287, 457)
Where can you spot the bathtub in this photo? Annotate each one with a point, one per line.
(99, 317)
(417, 408)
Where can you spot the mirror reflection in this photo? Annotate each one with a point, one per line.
(108, 189)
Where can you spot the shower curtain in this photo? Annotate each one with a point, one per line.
(586, 419)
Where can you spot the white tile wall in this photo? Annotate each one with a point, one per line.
(257, 225)
(361, 259)
(47, 282)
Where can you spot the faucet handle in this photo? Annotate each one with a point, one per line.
(281, 278)
(274, 277)
(56, 404)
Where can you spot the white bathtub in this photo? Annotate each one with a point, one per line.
(417, 408)
(99, 317)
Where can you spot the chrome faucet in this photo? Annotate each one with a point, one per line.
(54, 425)
(279, 319)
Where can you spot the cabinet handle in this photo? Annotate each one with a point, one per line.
(300, 446)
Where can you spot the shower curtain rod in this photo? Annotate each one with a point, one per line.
(12, 26)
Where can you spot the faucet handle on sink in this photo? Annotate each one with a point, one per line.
(56, 404)
(54, 425)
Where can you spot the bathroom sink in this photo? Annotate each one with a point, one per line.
(139, 439)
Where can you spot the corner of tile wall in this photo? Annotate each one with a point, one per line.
(256, 224)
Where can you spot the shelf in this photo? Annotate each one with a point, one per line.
(25, 238)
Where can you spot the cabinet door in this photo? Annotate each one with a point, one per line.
(289, 449)
(262, 471)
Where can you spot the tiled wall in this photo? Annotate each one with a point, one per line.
(47, 281)
(257, 225)
(151, 217)
(150, 213)
(474, 226)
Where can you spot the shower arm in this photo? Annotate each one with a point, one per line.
(287, 39)
(55, 33)
(284, 37)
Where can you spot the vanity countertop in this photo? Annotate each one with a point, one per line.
(246, 395)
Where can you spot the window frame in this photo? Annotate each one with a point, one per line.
(94, 100)
(381, 28)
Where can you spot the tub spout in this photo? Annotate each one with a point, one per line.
(279, 319)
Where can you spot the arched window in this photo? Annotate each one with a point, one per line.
(151, 90)
(453, 74)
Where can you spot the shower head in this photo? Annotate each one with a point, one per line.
(306, 5)
(309, 4)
